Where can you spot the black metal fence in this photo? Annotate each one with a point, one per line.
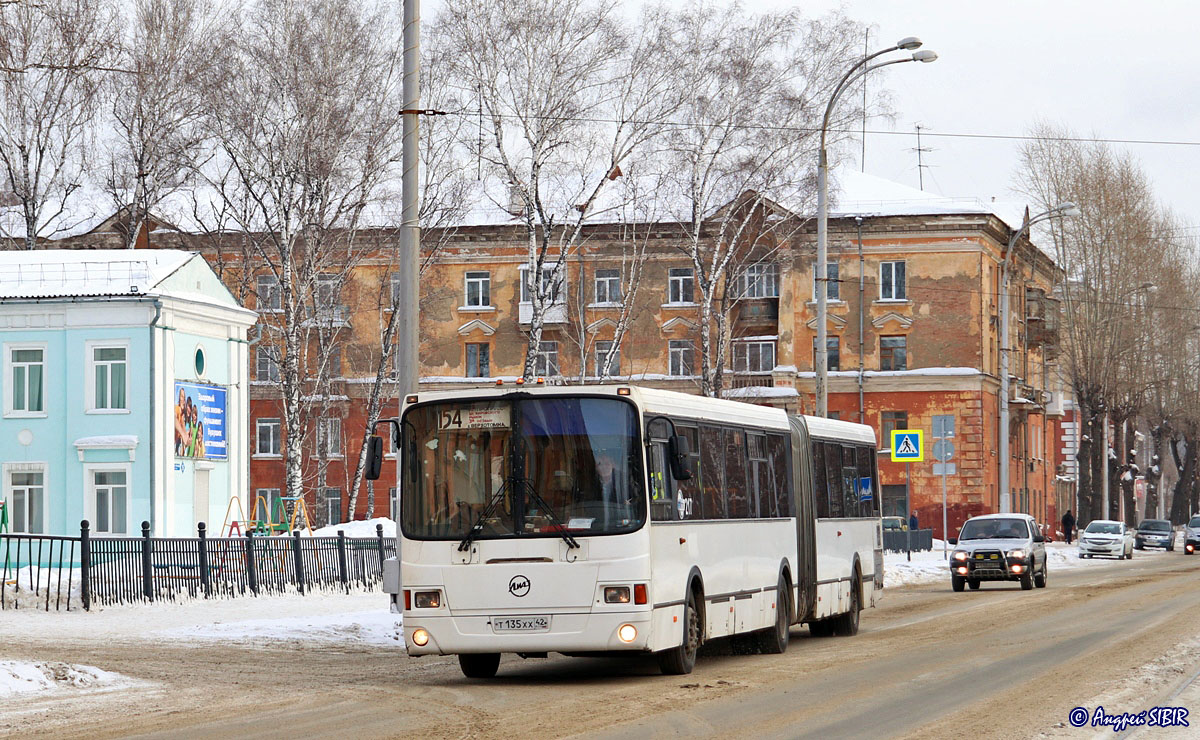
(44, 572)
(904, 540)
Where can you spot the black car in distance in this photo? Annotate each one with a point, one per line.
(1155, 533)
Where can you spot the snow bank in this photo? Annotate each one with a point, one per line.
(18, 677)
(361, 528)
(373, 627)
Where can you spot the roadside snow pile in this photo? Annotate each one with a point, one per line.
(28, 587)
(18, 677)
(375, 627)
(359, 528)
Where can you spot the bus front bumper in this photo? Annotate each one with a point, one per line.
(567, 633)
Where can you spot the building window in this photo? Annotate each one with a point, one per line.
(266, 366)
(833, 353)
(550, 285)
(333, 506)
(760, 281)
(893, 353)
(270, 298)
(608, 286)
(479, 289)
(392, 503)
(614, 366)
(753, 357)
(110, 497)
(890, 421)
(327, 291)
(393, 291)
(891, 281)
(269, 434)
(479, 360)
(268, 503)
(546, 361)
(27, 501)
(26, 379)
(681, 285)
(108, 368)
(329, 437)
(831, 281)
(682, 358)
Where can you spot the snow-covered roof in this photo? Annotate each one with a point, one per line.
(68, 273)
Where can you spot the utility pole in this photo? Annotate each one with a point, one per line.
(407, 330)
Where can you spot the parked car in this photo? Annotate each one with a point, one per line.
(998, 547)
(895, 523)
(1191, 535)
(1155, 533)
(1106, 537)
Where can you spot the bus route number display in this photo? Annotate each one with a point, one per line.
(452, 420)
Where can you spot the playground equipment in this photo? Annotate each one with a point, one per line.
(233, 524)
(272, 516)
(3, 517)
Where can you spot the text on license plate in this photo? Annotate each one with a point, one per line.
(520, 624)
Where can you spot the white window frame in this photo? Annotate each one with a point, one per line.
(326, 292)
(542, 366)
(760, 280)
(890, 264)
(264, 421)
(89, 502)
(831, 282)
(610, 283)
(598, 354)
(741, 356)
(6, 480)
(271, 377)
(326, 498)
(89, 349)
(685, 346)
(325, 424)
(268, 284)
(9, 411)
(673, 280)
(467, 358)
(473, 276)
(270, 494)
(548, 273)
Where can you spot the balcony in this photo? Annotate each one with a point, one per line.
(758, 312)
(555, 313)
(334, 316)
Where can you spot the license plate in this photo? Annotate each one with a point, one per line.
(520, 624)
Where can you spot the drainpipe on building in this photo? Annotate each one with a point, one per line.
(153, 418)
(861, 295)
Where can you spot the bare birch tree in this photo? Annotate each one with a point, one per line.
(156, 107)
(52, 56)
(756, 88)
(568, 93)
(305, 131)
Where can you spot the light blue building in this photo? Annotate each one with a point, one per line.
(124, 392)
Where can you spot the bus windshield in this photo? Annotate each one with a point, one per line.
(524, 467)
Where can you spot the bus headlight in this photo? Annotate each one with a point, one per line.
(616, 594)
(627, 633)
(420, 637)
(427, 599)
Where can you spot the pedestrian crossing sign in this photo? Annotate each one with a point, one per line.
(907, 445)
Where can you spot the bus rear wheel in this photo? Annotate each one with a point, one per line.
(680, 660)
(774, 640)
(846, 624)
(479, 665)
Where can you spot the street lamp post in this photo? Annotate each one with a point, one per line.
(853, 74)
(1065, 208)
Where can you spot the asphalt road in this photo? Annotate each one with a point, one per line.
(998, 662)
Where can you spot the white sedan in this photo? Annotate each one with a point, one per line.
(1106, 537)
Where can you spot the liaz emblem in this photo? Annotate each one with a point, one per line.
(518, 586)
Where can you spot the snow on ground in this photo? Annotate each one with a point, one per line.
(21, 677)
(930, 566)
(359, 528)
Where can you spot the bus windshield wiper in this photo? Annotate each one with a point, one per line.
(484, 515)
(553, 517)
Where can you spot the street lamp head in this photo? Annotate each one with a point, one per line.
(924, 56)
(1068, 208)
(908, 43)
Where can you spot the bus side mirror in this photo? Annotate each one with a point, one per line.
(374, 457)
(678, 450)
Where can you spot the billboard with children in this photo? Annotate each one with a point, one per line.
(200, 421)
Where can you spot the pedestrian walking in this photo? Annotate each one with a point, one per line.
(1068, 525)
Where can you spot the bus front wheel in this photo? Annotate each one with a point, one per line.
(680, 659)
(479, 665)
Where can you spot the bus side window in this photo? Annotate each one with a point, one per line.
(687, 492)
(736, 500)
(849, 482)
(779, 449)
(820, 489)
(761, 492)
(662, 503)
(711, 473)
(869, 507)
(833, 479)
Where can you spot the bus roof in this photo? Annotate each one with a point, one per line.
(679, 405)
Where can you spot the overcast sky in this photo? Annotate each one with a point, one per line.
(1121, 70)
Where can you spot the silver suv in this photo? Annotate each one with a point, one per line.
(998, 547)
(1191, 535)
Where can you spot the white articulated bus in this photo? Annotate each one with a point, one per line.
(608, 519)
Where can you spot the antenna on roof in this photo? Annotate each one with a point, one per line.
(920, 160)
